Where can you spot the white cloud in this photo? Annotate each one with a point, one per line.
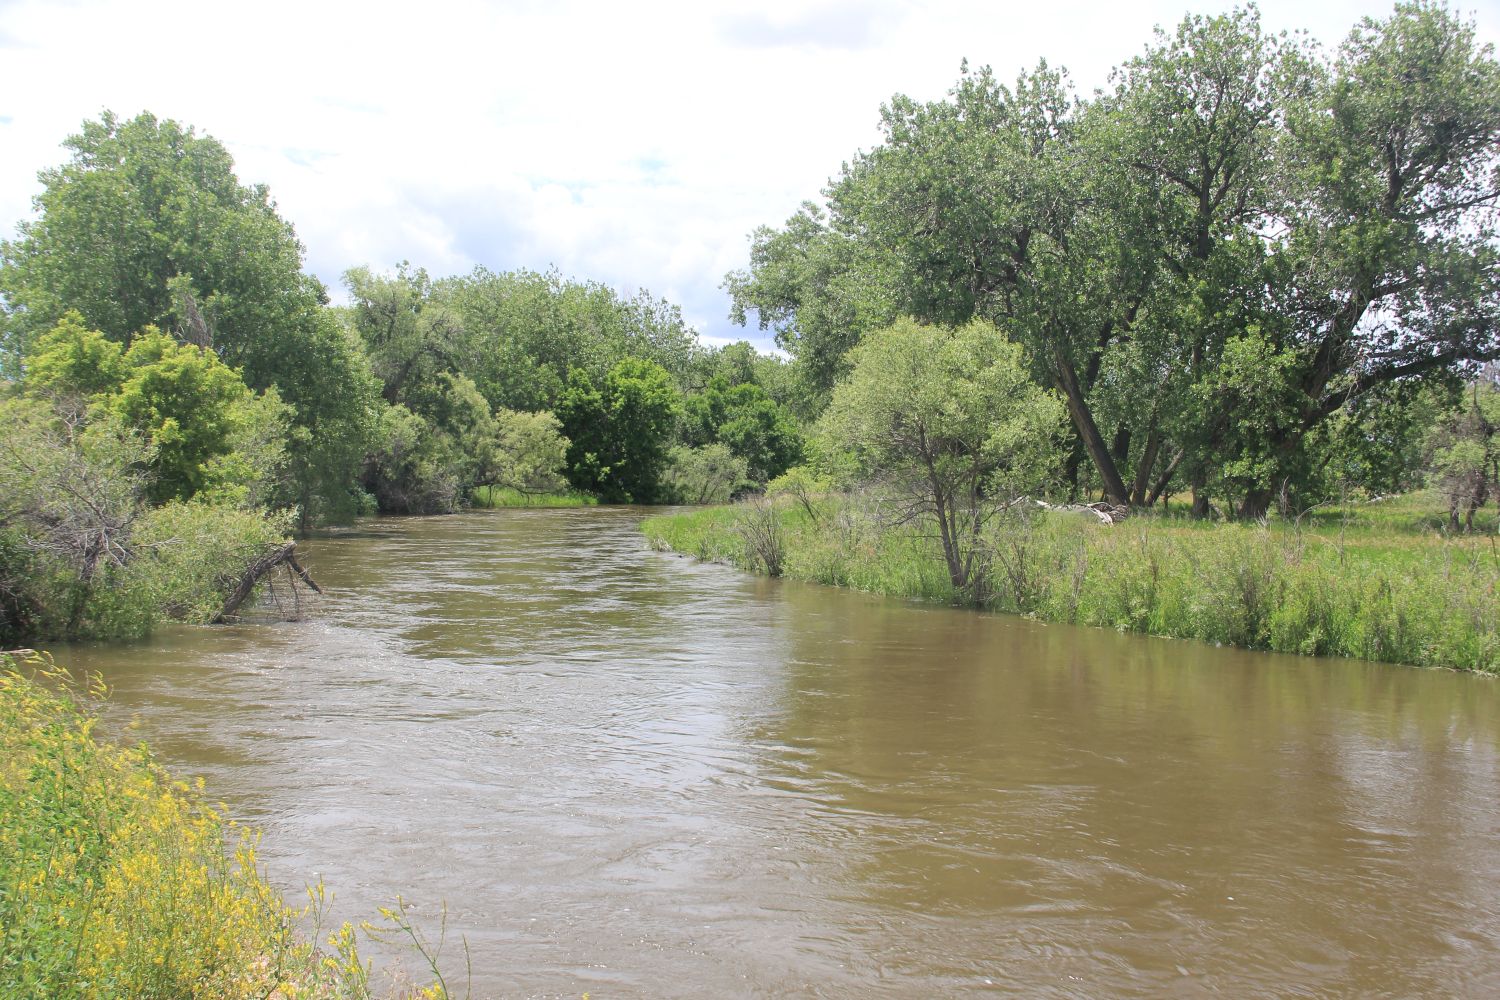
(636, 144)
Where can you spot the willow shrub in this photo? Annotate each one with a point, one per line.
(1415, 598)
(115, 880)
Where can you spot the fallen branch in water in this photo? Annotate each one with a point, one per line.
(283, 555)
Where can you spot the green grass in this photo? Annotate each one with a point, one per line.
(491, 497)
(1379, 581)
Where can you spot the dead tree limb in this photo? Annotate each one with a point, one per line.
(282, 555)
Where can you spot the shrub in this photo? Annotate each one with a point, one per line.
(115, 880)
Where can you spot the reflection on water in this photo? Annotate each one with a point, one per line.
(634, 775)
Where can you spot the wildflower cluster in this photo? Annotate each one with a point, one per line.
(115, 879)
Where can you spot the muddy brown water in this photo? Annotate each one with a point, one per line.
(633, 775)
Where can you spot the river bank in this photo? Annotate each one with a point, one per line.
(1377, 582)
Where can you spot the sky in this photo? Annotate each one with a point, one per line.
(638, 144)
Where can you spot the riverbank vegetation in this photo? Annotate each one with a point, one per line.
(1376, 580)
(116, 881)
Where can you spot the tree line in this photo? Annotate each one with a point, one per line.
(1252, 271)
(179, 394)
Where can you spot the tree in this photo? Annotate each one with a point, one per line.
(949, 421)
(745, 419)
(70, 499)
(336, 402)
(528, 330)
(707, 474)
(208, 432)
(620, 432)
(820, 289)
(192, 408)
(1389, 208)
(1338, 218)
(147, 225)
(529, 453)
(410, 337)
(141, 203)
(1465, 447)
(71, 359)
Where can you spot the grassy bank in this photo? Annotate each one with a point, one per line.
(115, 880)
(491, 497)
(1376, 581)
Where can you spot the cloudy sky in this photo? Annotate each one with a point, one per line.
(634, 143)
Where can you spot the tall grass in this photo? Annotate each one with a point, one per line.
(1377, 584)
(491, 497)
(115, 880)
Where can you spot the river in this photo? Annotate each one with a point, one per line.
(629, 774)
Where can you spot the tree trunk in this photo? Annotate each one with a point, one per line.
(1070, 468)
(1159, 490)
(1200, 496)
(1257, 502)
(1088, 431)
(1143, 470)
(1120, 449)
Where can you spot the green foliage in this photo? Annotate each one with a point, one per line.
(190, 556)
(139, 203)
(820, 289)
(517, 334)
(744, 418)
(147, 226)
(410, 338)
(209, 434)
(529, 453)
(1465, 463)
(71, 358)
(711, 473)
(144, 202)
(336, 400)
(1236, 199)
(414, 469)
(620, 432)
(946, 421)
(85, 555)
(69, 502)
(194, 410)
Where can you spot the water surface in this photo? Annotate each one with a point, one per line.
(634, 775)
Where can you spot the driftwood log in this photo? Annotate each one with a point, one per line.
(1107, 513)
(282, 555)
